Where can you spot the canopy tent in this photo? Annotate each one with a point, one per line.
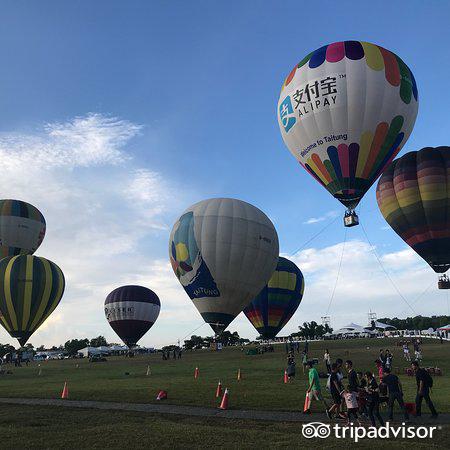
(444, 328)
(382, 326)
(352, 329)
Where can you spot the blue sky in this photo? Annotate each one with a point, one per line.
(115, 116)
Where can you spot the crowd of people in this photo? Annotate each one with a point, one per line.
(363, 393)
(175, 352)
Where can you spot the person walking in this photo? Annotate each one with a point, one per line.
(352, 377)
(395, 393)
(388, 357)
(336, 389)
(373, 399)
(406, 352)
(424, 384)
(379, 369)
(304, 360)
(314, 389)
(290, 365)
(382, 358)
(327, 361)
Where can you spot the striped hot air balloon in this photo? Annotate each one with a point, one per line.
(344, 112)
(273, 307)
(31, 287)
(131, 311)
(22, 228)
(413, 195)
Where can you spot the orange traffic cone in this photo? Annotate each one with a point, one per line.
(286, 378)
(162, 395)
(219, 390)
(239, 376)
(224, 402)
(196, 373)
(65, 391)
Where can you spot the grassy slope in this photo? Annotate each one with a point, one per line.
(261, 387)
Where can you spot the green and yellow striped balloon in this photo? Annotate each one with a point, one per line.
(31, 287)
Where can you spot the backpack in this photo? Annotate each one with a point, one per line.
(427, 379)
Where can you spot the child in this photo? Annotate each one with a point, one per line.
(352, 406)
(362, 397)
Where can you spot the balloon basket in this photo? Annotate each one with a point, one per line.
(444, 282)
(351, 219)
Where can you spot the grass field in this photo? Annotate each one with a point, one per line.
(261, 388)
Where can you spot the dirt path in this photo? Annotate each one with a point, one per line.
(164, 408)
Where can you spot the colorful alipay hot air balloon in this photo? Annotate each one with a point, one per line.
(344, 112)
(414, 197)
(31, 287)
(22, 228)
(131, 311)
(273, 307)
(223, 252)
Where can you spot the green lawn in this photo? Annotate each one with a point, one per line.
(24, 427)
(261, 388)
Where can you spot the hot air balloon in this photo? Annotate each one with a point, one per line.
(344, 112)
(31, 287)
(273, 307)
(414, 198)
(22, 228)
(131, 311)
(223, 252)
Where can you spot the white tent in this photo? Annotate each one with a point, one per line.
(90, 351)
(353, 329)
(383, 326)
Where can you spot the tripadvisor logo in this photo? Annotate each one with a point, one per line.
(322, 431)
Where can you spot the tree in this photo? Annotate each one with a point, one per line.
(310, 330)
(6, 348)
(74, 345)
(30, 348)
(194, 342)
(98, 341)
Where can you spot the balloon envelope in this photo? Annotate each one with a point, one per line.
(31, 287)
(22, 228)
(131, 311)
(414, 197)
(223, 252)
(273, 307)
(344, 112)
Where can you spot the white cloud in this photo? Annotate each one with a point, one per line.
(363, 284)
(106, 219)
(328, 215)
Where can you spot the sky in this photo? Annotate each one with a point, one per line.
(116, 116)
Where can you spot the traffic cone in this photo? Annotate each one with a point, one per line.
(148, 371)
(65, 391)
(162, 395)
(219, 390)
(286, 379)
(40, 370)
(196, 373)
(239, 376)
(224, 402)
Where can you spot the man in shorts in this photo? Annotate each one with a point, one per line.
(336, 389)
(314, 390)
